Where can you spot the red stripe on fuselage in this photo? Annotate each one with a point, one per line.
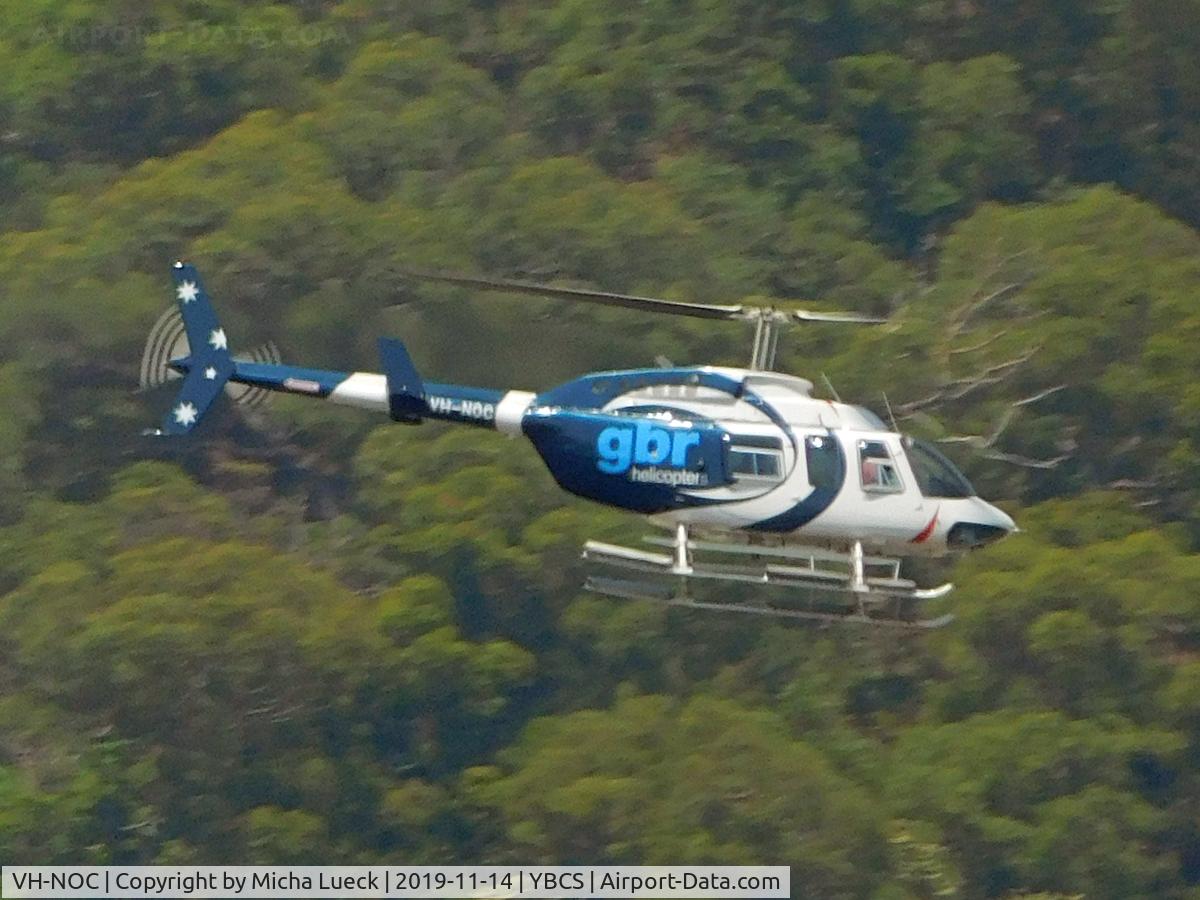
(927, 530)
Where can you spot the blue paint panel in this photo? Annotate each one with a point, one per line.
(462, 403)
(199, 317)
(593, 391)
(289, 379)
(209, 366)
(406, 392)
(550, 430)
(605, 457)
(201, 387)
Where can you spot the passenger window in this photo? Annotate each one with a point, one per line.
(877, 470)
(752, 462)
(825, 467)
(767, 464)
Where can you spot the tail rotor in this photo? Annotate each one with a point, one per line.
(168, 343)
(168, 340)
(189, 341)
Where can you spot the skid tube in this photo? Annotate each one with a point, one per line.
(873, 590)
(646, 591)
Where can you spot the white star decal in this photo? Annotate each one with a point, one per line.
(185, 414)
(217, 339)
(187, 291)
(210, 373)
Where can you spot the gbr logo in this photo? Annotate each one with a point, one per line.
(620, 446)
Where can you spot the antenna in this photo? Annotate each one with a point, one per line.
(832, 389)
(891, 415)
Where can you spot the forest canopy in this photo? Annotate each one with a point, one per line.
(307, 636)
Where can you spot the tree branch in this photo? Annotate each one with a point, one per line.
(987, 446)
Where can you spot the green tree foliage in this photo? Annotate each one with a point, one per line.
(650, 781)
(237, 680)
(408, 110)
(1037, 800)
(304, 638)
(1079, 297)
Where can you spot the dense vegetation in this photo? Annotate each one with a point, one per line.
(309, 637)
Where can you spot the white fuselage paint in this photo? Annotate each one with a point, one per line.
(368, 390)
(902, 521)
(365, 390)
(511, 410)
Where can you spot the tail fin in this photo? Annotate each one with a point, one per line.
(406, 391)
(208, 364)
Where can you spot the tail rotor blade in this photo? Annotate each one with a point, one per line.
(165, 342)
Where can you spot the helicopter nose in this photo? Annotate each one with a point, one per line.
(987, 525)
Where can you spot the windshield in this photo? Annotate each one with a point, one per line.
(936, 475)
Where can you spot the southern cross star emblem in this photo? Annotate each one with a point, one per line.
(210, 373)
(218, 341)
(185, 414)
(187, 291)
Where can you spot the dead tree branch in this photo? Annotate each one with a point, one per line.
(958, 388)
(987, 445)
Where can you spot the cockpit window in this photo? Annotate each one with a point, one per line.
(936, 475)
(879, 473)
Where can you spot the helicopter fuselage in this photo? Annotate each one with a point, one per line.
(706, 448)
(717, 449)
(741, 450)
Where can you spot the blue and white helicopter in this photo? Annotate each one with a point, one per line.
(739, 464)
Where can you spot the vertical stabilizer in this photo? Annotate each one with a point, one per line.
(406, 391)
(208, 364)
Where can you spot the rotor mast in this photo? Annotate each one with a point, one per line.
(768, 322)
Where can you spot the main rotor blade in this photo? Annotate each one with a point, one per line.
(628, 301)
(804, 315)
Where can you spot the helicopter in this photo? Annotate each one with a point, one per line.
(753, 480)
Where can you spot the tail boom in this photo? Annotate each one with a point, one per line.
(483, 407)
(399, 390)
(410, 399)
(373, 391)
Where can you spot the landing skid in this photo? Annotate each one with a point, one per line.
(871, 582)
(654, 593)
